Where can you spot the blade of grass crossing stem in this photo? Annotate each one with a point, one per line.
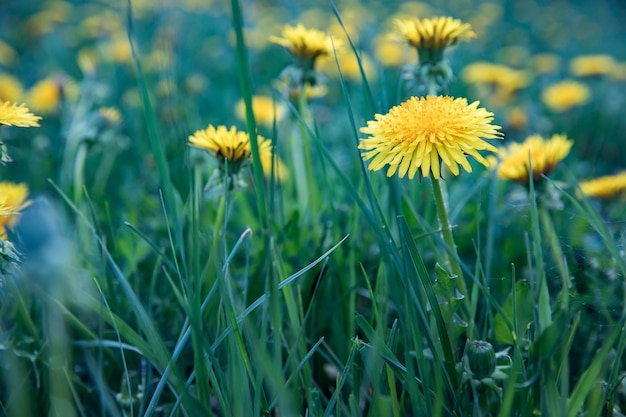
(155, 143)
(333, 404)
(420, 271)
(540, 285)
(245, 83)
(590, 376)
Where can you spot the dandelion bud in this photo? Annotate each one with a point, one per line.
(482, 359)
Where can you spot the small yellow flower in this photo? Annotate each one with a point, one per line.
(111, 115)
(45, 96)
(592, 65)
(12, 114)
(10, 88)
(565, 95)
(389, 53)
(422, 132)
(349, 66)
(431, 36)
(506, 79)
(545, 63)
(305, 43)
(517, 118)
(604, 187)
(232, 149)
(264, 108)
(543, 155)
(13, 199)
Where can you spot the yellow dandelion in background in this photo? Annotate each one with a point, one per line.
(302, 42)
(564, 95)
(7, 54)
(422, 132)
(604, 187)
(431, 36)
(543, 155)
(10, 88)
(12, 114)
(546, 63)
(517, 118)
(592, 65)
(13, 199)
(45, 96)
(264, 108)
(231, 148)
(111, 115)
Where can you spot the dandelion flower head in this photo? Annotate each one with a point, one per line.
(10, 88)
(592, 65)
(422, 132)
(13, 199)
(604, 187)
(431, 36)
(265, 110)
(564, 95)
(12, 114)
(543, 155)
(302, 42)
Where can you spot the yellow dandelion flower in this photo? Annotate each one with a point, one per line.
(305, 43)
(564, 95)
(12, 114)
(45, 96)
(543, 154)
(604, 187)
(592, 65)
(517, 118)
(232, 149)
(431, 36)
(264, 108)
(7, 54)
(545, 63)
(10, 88)
(13, 199)
(422, 132)
(349, 66)
(390, 54)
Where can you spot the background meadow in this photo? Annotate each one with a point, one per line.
(139, 285)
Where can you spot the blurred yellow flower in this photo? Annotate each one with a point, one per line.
(232, 149)
(542, 154)
(431, 36)
(604, 187)
(391, 54)
(349, 66)
(502, 76)
(10, 88)
(590, 65)
(545, 63)
(517, 118)
(13, 199)
(564, 95)
(12, 114)
(45, 96)
(305, 43)
(7, 54)
(422, 132)
(111, 115)
(265, 110)
(118, 50)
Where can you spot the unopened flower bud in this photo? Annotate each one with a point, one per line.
(482, 359)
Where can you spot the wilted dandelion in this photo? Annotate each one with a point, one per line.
(592, 65)
(13, 199)
(542, 154)
(564, 95)
(12, 114)
(606, 187)
(422, 132)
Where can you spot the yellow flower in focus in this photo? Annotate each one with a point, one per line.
(422, 132)
(10, 88)
(604, 187)
(563, 96)
(431, 36)
(232, 149)
(45, 96)
(12, 114)
(592, 65)
(264, 108)
(304, 43)
(13, 199)
(543, 154)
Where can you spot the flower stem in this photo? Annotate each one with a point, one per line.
(446, 231)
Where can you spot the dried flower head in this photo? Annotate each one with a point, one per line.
(422, 132)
